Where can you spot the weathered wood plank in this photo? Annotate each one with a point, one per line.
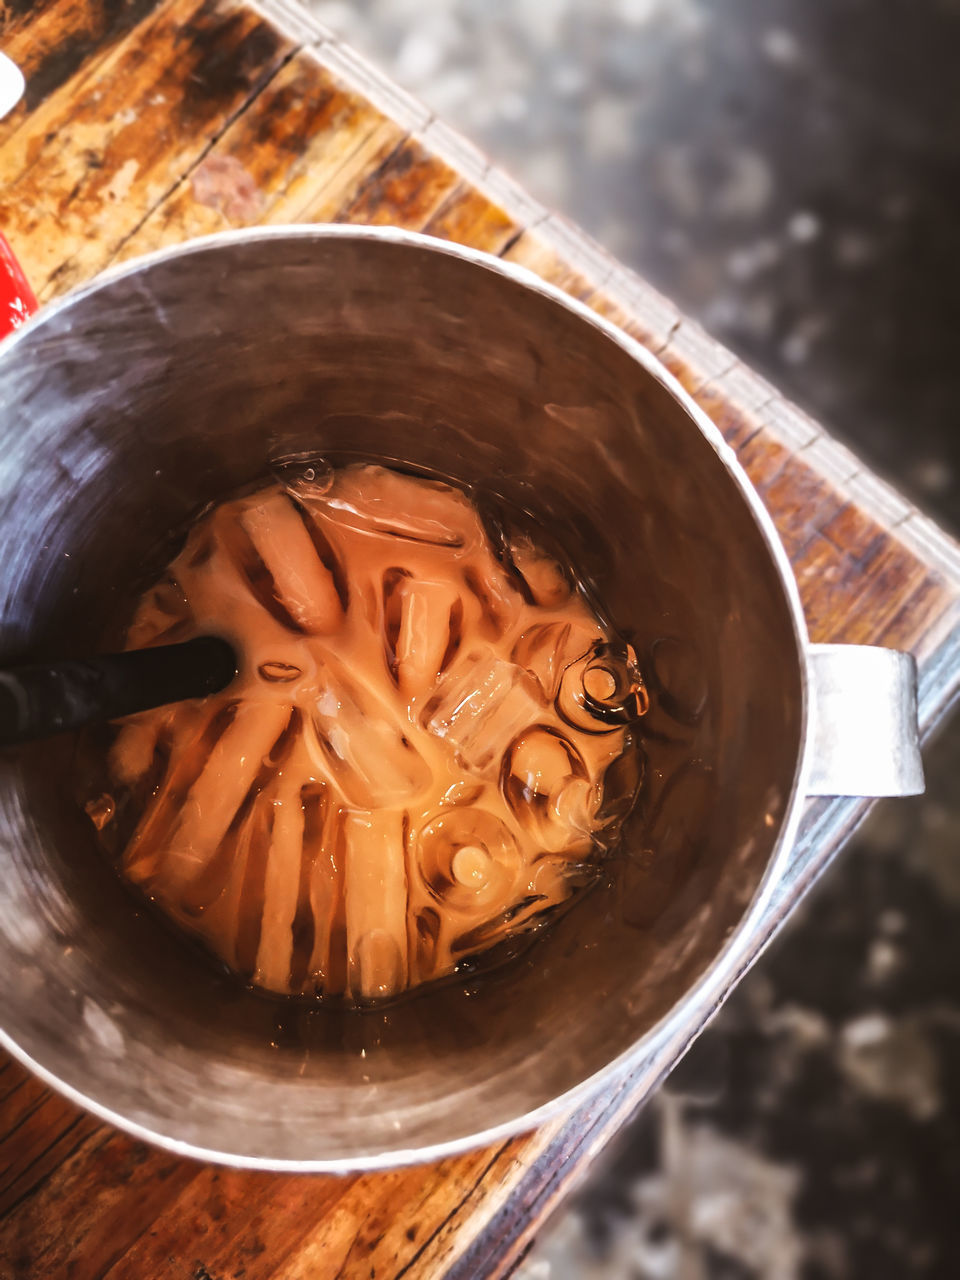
(80, 175)
(33, 1120)
(298, 142)
(468, 217)
(18, 1103)
(762, 457)
(89, 1212)
(405, 1224)
(37, 1154)
(309, 150)
(532, 251)
(51, 42)
(638, 310)
(405, 191)
(228, 1218)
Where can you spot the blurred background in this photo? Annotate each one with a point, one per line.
(788, 171)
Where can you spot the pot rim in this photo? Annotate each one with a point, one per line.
(710, 989)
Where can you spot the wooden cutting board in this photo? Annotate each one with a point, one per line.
(145, 123)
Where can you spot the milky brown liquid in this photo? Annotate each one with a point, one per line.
(427, 743)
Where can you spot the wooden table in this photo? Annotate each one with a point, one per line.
(149, 121)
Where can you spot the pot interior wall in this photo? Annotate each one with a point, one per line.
(146, 398)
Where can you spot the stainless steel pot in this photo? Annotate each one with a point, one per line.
(173, 381)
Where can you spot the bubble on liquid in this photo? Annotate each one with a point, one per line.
(304, 475)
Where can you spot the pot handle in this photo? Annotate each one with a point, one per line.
(866, 738)
(17, 301)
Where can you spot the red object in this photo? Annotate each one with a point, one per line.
(17, 301)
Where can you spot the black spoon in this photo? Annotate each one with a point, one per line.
(53, 697)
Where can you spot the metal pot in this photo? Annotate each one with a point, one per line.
(173, 381)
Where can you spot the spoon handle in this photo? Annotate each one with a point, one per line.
(53, 697)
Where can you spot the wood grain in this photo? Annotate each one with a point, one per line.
(146, 123)
(94, 158)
